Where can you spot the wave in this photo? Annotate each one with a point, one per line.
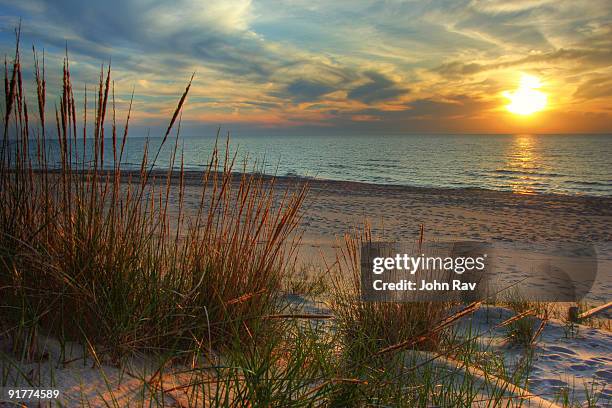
(588, 183)
(529, 173)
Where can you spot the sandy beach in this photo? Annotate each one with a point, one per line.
(580, 363)
(530, 222)
(334, 208)
(396, 212)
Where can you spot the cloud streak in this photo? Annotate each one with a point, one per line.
(377, 88)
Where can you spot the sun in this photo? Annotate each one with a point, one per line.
(526, 99)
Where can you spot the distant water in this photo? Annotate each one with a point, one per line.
(563, 164)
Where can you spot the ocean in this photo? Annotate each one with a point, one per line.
(561, 164)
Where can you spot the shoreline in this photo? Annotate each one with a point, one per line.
(332, 208)
(194, 177)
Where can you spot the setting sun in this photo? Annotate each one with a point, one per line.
(526, 99)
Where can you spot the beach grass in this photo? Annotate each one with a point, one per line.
(89, 252)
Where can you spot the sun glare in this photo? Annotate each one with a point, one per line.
(526, 99)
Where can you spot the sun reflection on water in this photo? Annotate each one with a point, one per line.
(522, 160)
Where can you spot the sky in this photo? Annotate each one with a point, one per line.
(310, 66)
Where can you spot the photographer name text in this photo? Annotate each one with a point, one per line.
(407, 285)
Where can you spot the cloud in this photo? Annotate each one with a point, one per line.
(303, 90)
(589, 58)
(423, 114)
(457, 106)
(505, 27)
(377, 88)
(458, 68)
(181, 33)
(598, 87)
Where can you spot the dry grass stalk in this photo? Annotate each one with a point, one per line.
(89, 251)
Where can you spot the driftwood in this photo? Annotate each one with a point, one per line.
(575, 316)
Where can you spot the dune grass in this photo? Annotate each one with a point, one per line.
(88, 251)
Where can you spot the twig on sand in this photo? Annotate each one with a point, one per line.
(299, 316)
(594, 311)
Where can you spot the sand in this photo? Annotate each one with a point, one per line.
(580, 362)
(396, 212)
(335, 208)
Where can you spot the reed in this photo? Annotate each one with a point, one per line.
(89, 252)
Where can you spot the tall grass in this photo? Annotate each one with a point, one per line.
(89, 252)
(382, 323)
